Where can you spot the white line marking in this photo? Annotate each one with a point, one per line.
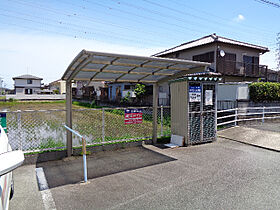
(44, 189)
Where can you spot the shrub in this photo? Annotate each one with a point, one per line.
(56, 91)
(264, 91)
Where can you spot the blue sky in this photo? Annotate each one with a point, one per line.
(42, 37)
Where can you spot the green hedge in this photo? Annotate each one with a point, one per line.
(264, 91)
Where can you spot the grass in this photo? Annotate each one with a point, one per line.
(36, 126)
(51, 143)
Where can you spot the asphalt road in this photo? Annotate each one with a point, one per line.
(265, 135)
(219, 175)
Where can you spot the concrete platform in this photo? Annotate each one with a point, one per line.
(265, 135)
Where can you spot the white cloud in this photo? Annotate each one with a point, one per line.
(239, 18)
(49, 56)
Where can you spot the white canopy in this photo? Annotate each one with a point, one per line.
(99, 66)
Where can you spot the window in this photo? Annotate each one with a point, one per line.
(206, 57)
(127, 87)
(29, 81)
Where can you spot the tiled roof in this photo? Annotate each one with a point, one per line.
(210, 39)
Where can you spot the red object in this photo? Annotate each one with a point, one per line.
(133, 116)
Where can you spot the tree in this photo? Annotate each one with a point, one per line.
(140, 90)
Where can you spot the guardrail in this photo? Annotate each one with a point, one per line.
(247, 114)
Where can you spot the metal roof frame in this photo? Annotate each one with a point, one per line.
(100, 66)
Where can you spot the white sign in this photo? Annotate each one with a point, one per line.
(162, 95)
(208, 97)
(194, 93)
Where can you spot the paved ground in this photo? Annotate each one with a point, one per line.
(219, 175)
(265, 135)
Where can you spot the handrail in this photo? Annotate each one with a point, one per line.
(84, 150)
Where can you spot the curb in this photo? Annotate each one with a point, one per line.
(59, 155)
(254, 145)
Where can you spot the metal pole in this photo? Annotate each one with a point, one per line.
(19, 129)
(84, 150)
(235, 117)
(263, 115)
(103, 125)
(161, 120)
(85, 159)
(155, 107)
(69, 116)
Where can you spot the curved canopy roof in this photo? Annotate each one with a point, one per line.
(99, 66)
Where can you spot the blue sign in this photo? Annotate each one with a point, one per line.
(194, 93)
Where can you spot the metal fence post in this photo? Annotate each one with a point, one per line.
(19, 128)
(263, 115)
(161, 120)
(235, 117)
(103, 125)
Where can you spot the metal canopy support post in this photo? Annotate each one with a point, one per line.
(155, 108)
(69, 116)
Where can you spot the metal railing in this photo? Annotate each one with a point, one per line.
(37, 130)
(84, 150)
(236, 115)
(236, 68)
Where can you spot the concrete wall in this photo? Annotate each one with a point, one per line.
(58, 85)
(239, 51)
(189, 53)
(35, 97)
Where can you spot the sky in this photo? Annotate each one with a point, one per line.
(42, 37)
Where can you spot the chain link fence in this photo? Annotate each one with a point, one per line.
(32, 130)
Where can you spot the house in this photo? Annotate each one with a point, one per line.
(27, 84)
(237, 61)
(117, 91)
(120, 90)
(90, 90)
(58, 86)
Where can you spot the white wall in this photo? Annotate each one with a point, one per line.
(36, 97)
(23, 82)
(233, 91)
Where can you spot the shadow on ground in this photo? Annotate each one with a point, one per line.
(70, 171)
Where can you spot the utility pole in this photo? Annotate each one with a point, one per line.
(1, 85)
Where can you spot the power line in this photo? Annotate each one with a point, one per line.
(276, 5)
(187, 14)
(83, 17)
(141, 8)
(95, 20)
(85, 31)
(82, 34)
(221, 18)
